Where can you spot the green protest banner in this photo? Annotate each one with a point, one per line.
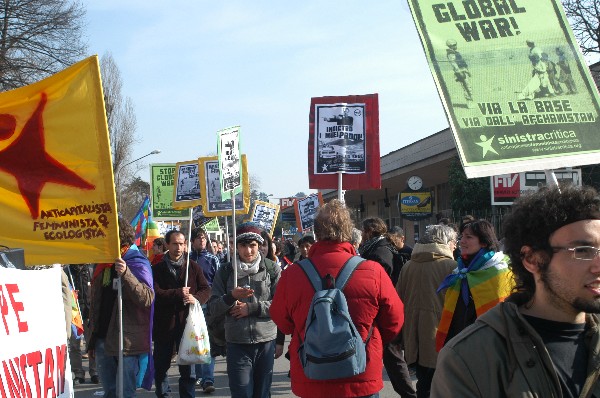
(516, 90)
(212, 226)
(162, 177)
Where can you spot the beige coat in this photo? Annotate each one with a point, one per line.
(420, 277)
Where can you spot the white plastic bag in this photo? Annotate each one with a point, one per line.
(194, 347)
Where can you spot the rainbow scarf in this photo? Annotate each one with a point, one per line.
(487, 278)
(77, 321)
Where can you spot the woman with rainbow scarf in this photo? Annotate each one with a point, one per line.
(481, 280)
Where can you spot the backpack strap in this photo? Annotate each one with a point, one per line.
(340, 281)
(311, 273)
(347, 271)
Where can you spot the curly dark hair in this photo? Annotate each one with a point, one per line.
(533, 220)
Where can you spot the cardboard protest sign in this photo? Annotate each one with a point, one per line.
(306, 210)
(213, 204)
(34, 360)
(57, 196)
(230, 166)
(516, 90)
(265, 215)
(344, 138)
(162, 181)
(187, 186)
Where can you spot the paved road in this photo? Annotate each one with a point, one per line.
(280, 387)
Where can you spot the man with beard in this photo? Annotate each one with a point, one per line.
(174, 291)
(543, 341)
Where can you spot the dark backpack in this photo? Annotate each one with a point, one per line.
(215, 323)
(332, 347)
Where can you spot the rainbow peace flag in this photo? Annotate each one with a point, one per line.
(77, 320)
(488, 286)
(152, 233)
(140, 221)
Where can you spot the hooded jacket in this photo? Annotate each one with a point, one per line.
(501, 355)
(372, 302)
(419, 279)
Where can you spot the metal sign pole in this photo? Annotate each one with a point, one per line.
(189, 247)
(341, 192)
(120, 366)
(551, 180)
(234, 256)
(227, 239)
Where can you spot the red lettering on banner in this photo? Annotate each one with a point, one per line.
(13, 378)
(23, 366)
(49, 374)
(2, 387)
(61, 364)
(17, 306)
(34, 359)
(4, 309)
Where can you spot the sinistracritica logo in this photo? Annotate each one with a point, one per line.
(486, 145)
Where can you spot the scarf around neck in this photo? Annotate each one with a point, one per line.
(370, 244)
(487, 279)
(174, 265)
(245, 269)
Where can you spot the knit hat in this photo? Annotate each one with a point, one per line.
(249, 231)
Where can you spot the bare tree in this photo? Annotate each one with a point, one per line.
(38, 38)
(584, 17)
(134, 195)
(122, 123)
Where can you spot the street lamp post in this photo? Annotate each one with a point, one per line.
(154, 152)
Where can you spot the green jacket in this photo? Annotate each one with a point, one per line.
(501, 355)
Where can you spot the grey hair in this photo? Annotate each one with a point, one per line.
(441, 234)
(356, 236)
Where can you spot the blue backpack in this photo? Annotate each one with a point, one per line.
(332, 347)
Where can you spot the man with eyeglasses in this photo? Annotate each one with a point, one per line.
(543, 341)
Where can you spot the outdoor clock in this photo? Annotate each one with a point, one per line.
(415, 183)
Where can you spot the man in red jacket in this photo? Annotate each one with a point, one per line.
(372, 302)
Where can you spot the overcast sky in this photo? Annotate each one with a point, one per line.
(194, 67)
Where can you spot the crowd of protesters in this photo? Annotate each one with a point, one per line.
(453, 313)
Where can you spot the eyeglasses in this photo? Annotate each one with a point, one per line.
(580, 252)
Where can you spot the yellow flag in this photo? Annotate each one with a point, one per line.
(57, 198)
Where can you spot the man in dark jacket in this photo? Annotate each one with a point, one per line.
(543, 341)
(177, 283)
